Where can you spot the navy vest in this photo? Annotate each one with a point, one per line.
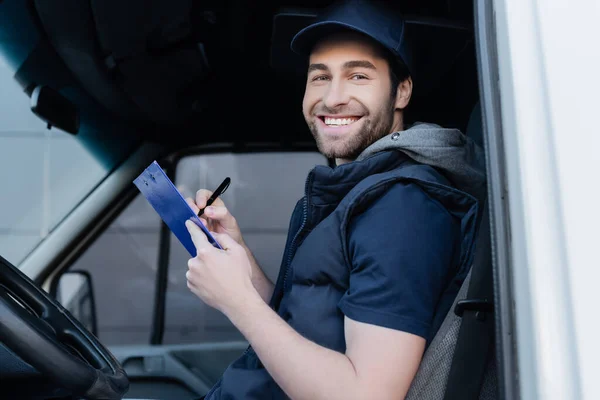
(315, 272)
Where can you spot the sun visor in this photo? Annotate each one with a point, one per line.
(139, 58)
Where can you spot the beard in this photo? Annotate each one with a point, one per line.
(374, 127)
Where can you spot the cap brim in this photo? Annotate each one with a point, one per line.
(304, 40)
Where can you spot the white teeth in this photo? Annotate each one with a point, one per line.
(339, 121)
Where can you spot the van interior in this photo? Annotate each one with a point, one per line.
(199, 86)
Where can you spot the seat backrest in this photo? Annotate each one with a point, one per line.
(432, 375)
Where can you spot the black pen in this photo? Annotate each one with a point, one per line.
(219, 191)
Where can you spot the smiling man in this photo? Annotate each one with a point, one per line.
(377, 247)
(345, 103)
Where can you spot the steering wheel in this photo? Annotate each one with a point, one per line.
(44, 334)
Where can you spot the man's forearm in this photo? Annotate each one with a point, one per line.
(260, 281)
(303, 369)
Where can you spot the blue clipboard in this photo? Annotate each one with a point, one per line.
(168, 202)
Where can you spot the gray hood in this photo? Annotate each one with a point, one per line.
(454, 154)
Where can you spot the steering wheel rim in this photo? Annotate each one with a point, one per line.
(44, 334)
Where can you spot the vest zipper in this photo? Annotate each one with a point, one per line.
(292, 249)
(293, 245)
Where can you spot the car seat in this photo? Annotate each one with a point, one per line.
(431, 380)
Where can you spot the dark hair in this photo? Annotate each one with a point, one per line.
(399, 71)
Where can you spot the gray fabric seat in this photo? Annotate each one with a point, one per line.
(432, 375)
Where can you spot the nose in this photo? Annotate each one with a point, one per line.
(336, 95)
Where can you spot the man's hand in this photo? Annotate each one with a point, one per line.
(220, 278)
(217, 218)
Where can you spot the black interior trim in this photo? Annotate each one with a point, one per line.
(160, 298)
(497, 186)
(437, 22)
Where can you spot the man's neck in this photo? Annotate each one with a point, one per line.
(340, 161)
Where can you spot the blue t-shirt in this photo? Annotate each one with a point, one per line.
(404, 252)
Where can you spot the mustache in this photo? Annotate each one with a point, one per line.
(343, 110)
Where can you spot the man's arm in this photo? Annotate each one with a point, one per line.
(379, 363)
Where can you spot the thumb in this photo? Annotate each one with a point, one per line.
(226, 241)
(198, 237)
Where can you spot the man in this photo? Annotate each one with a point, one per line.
(377, 247)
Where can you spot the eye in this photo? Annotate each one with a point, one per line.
(320, 78)
(358, 77)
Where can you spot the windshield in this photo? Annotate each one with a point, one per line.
(44, 173)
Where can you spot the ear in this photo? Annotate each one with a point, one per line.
(404, 93)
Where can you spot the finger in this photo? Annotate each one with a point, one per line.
(202, 196)
(194, 264)
(218, 202)
(189, 276)
(221, 214)
(192, 205)
(209, 224)
(226, 241)
(198, 237)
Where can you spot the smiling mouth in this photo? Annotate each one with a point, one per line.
(334, 122)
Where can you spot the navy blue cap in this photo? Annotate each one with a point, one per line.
(373, 20)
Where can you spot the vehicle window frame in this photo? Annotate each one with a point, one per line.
(110, 213)
(488, 74)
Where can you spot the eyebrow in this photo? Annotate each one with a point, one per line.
(317, 67)
(347, 65)
(358, 64)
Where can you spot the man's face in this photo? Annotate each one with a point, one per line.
(348, 103)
